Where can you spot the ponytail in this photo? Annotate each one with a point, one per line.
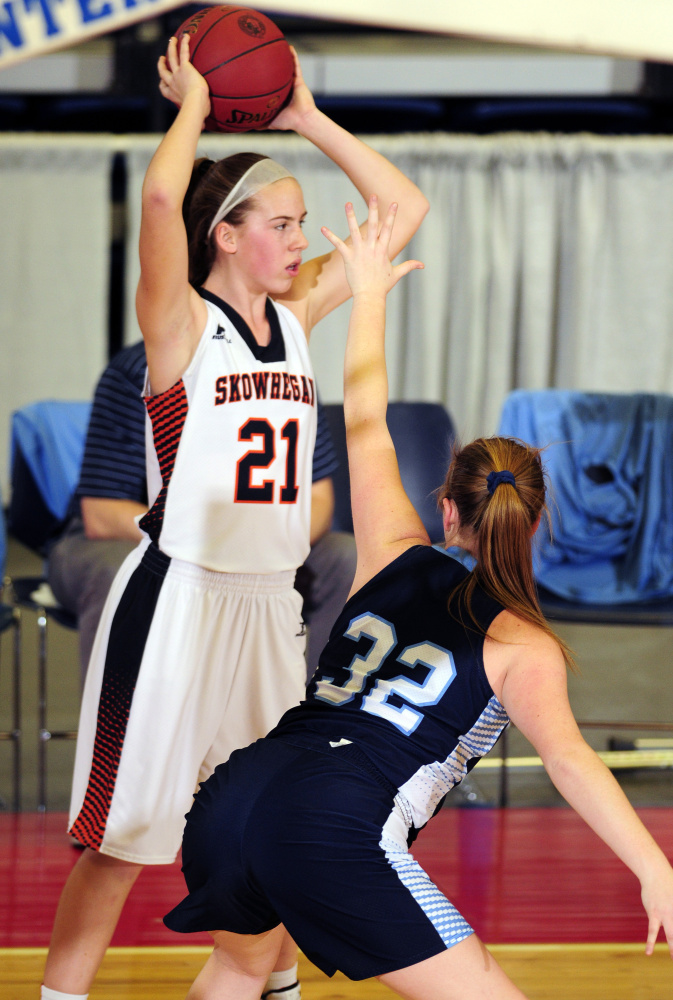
(498, 487)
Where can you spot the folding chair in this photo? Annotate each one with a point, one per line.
(423, 435)
(47, 444)
(609, 557)
(10, 619)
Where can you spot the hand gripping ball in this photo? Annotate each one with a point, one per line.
(246, 62)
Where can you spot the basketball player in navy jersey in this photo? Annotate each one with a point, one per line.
(200, 648)
(423, 669)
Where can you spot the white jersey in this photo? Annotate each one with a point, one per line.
(230, 448)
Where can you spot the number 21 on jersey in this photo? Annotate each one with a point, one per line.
(440, 674)
(263, 435)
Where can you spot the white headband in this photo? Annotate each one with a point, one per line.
(259, 175)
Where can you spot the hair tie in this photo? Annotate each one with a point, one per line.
(494, 479)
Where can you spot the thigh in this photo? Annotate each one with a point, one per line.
(266, 668)
(466, 972)
(158, 707)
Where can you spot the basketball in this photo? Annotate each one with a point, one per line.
(247, 63)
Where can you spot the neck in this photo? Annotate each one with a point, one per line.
(251, 306)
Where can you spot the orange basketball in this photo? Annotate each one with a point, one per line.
(247, 63)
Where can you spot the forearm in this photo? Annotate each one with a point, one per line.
(111, 518)
(590, 788)
(370, 172)
(170, 169)
(322, 508)
(365, 375)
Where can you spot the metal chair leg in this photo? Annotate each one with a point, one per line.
(14, 734)
(42, 733)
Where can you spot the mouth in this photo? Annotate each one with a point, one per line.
(293, 269)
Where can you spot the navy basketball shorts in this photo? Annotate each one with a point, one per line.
(285, 834)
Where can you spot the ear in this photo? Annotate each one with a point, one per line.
(225, 237)
(450, 515)
(536, 524)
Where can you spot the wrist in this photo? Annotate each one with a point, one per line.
(370, 296)
(312, 124)
(197, 101)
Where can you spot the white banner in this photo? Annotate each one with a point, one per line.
(640, 29)
(34, 27)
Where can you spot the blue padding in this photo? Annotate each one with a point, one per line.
(50, 436)
(609, 457)
(423, 435)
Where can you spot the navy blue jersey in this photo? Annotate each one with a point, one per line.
(403, 680)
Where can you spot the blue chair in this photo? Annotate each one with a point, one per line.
(47, 445)
(609, 559)
(10, 619)
(609, 460)
(423, 435)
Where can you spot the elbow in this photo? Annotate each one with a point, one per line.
(567, 763)
(96, 527)
(159, 198)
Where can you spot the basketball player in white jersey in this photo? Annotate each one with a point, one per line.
(200, 647)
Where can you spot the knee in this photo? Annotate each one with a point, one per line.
(249, 955)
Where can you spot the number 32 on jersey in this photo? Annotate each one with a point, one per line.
(440, 672)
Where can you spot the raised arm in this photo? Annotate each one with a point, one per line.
(534, 693)
(321, 284)
(170, 313)
(384, 520)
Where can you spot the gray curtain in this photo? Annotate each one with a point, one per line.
(54, 249)
(549, 263)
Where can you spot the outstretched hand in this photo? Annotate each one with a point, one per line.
(177, 76)
(366, 254)
(657, 897)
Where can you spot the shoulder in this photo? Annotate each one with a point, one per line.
(420, 570)
(517, 652)
(526, 638)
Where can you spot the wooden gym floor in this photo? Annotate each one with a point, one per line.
(558, 911)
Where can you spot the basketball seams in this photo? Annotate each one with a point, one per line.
(242, 55)
(206, 31)
(250, 97)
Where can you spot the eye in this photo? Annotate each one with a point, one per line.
(281, 226)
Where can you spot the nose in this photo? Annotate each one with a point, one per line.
(299, 241)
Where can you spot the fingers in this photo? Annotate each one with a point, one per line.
(335, 240)
(184, 54)
(177, 53)
(298, 78)
(652, 933)
(172, 61)
(353, 227)
(406, 266)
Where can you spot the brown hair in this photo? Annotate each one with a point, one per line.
(210, 183)
(501, 518)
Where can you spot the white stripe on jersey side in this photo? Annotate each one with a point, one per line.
(444, 917)
(415, 804)
(424, 789)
